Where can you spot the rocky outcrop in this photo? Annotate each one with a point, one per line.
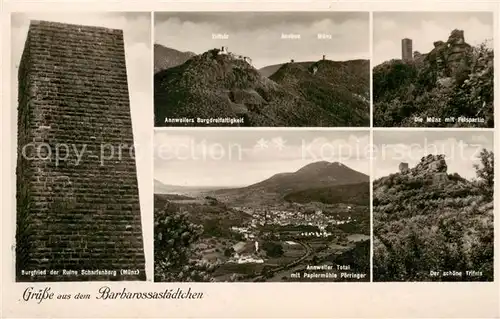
(440, 178)
(457, 51)
(431, 164)
(450, 57)
(454, 80)
(430, 219)
(418, 57)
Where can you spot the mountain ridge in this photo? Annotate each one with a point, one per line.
(217, 84)
(315, 175)
(162, 188)
(165, 57)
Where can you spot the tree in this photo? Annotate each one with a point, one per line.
(315, 260)
(175, 257)
(479, 86)
(485, 171)
(267, 272)
(273, 249)
(228, 252)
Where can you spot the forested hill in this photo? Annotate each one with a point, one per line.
(428, 220)
(218, 84)
(454, 79)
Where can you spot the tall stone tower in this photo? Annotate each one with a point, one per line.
(78, 213)
(407, 49)
(403, 168)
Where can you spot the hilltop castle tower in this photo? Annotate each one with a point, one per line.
(79, 209)
(403, 168)
(407, 49)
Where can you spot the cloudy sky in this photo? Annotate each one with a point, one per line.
(424, 28)
(137, 36)
(258, 35)
(244, 157)
(460, 148)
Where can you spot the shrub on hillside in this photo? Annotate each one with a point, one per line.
(175, 258)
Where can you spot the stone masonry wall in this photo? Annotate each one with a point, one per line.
(407, 49)
(80, 212)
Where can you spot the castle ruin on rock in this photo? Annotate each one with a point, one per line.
(430, 165)
(449, 57)
(78, 213)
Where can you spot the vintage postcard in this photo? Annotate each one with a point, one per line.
(262, 69)
(249, 159)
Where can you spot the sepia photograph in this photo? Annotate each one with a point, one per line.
(81, 83)
(433, 69)
(229, 159)
(261, 206)
(265, 69)
(433, 206)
